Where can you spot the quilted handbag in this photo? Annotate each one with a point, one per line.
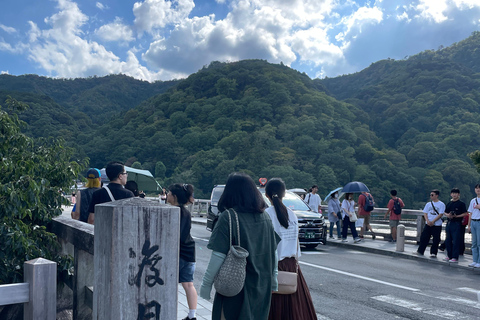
(230, 278)
(287, 281)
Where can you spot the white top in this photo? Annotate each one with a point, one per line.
(348, 205)
(289, 245)
(475, 212)
(440, 206)
(313, 201)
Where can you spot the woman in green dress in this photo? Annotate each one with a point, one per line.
(258, 238)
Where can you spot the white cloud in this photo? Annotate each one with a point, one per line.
(4, 72)
(62, 52)
(115, 31)
(152, 14)
(313, 46)
(7, 47)
(403, 16)
(7, 29)
(101, 6)
(433, 10)
(363, 15)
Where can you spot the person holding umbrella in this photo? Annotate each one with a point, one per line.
(348, 214)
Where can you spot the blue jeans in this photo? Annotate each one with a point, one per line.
(332, 225)
(475, 228)
(346, 224)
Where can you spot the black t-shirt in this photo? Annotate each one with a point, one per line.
(456, 208)
(187, 244)
(101, 196)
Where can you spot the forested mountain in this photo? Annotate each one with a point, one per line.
(407, 124)
(426, 107)
(98, 98)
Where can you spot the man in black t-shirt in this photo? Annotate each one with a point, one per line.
(118, 178)
(454, 211)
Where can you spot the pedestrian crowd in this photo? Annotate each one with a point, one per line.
(269, 236)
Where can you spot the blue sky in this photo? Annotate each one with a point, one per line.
(161, 40)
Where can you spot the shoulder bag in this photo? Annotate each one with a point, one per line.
(287, 281)
(230, 279)
(354, 217)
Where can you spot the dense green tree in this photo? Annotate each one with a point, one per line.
(34, 173)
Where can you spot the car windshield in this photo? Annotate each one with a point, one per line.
(292, 201)
(217, 194)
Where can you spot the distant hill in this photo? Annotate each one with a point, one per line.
(407, 125)
(99, 98)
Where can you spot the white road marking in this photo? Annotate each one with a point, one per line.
(358, 276)
(471, 290)
(321, 317)
(313, 252)
(467, 302)
(356, 252)
(415, 306)
(206, 240)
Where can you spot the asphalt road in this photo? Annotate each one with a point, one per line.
(347, 284)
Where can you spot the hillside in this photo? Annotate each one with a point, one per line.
(407, 124)
(97, 98)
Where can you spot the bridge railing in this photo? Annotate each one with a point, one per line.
(38, 293)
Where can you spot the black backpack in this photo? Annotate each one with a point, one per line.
(369, 204)
(397, 208)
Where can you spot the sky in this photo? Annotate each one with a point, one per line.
(163, 40)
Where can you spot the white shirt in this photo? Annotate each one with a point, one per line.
(475, 212)
(313, 201)
(440, 206)
(289, 244)
(348, 205)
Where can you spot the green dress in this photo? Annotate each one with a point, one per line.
(259, 238)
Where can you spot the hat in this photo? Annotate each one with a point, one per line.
(93, 173)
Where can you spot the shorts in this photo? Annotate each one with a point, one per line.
(366, 219)
(186, 271)
(393, 223)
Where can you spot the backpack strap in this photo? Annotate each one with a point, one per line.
(109, 193)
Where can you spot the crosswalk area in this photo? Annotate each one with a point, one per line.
(440, 306)
(426, 305)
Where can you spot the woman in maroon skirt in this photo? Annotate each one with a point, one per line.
(298, 305)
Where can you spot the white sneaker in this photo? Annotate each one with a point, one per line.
(357, 240)
(477, 265)
(344, 240)
(472, 264)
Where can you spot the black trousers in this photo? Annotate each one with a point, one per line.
(428, 232)
(454, 239)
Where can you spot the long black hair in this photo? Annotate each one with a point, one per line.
(241, 192)
(183, 192)
(275, 190)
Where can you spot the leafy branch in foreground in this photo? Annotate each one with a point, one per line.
(34, 173)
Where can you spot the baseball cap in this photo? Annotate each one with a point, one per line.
(93, 173)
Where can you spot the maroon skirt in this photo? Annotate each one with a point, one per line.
(296, 306)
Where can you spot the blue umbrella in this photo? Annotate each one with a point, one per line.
(355, 187)
(332, 192)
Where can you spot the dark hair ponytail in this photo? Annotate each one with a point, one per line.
(275, 190)
(183, 192)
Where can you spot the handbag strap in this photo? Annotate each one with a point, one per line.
(230, 226)
(238, 227)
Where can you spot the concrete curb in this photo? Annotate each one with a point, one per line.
(363, 246)
(404, 255)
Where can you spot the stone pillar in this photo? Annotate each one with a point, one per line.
(41, 275)
(136, 260)
(400, 238)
